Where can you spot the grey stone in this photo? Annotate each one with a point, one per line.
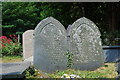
(69, 30)
(85, 44)
(50, 46)
(82, 42)
(13, 70)
(27, 44)
(30, 59)
(111, 53)
(118, 68)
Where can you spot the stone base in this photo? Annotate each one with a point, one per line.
(13, 70)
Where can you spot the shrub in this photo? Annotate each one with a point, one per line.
(69, 59)
(10, 46)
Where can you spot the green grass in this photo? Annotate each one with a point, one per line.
(7, 59)
(106, 71)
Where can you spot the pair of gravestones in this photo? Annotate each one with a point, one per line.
(54, 48)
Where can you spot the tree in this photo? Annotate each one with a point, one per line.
(18, 17)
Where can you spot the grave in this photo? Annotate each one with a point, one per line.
(86, 45)
(27, 44)
(55, 48)
(50, 46)
(110, 52)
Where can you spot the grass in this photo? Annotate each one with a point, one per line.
(106, 71)
(6, 59)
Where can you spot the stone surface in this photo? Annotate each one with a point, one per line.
(30, 59)
(85, 44)
(27, 44)
(118, 68)
(112, 53)
(13, 70)
(50, 46)
(81, 41)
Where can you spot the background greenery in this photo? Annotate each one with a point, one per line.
(10, 46)
(18, 17)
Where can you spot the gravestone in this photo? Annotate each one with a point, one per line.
(28, 44)
(86, 45)
(50, 46)
(81, 42)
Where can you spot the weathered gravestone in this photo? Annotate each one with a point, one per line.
(28, 44)
(50, 45)
(86, 45)
(81, 43)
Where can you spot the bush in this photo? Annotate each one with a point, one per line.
(10, 46)
(110, 38)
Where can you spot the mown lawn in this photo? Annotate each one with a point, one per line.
(7, 59)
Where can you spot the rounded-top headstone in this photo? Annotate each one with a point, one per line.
(85, 44)
(50, 46)
(28, 44)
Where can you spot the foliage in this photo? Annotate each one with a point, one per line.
(20, 16)
(30, 72)
(10, 46)
(55, 9)
(69, 59)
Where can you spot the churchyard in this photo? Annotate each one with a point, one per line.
(51, 51)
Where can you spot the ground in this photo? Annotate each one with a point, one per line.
(7, 59)
(106, 71)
